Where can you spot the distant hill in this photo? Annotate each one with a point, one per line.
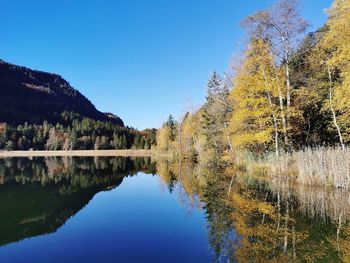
(33, 96)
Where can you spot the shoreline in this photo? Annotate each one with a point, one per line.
(78, 153)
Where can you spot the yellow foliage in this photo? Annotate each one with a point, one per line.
(164, 142)
(189, 141)
(336, 40)
(253, 96)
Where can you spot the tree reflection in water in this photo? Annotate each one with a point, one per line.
(252, 219)
(39, 195)
(249, 218)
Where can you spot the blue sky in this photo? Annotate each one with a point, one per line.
(140, 59)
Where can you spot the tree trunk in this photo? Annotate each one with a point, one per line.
(288, 91)
(275, 126)
(281, 104)
(332, 109)
(228, 139)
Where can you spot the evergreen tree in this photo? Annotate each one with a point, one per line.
(171, 123)
(215, 113)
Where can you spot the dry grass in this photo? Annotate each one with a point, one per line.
(317, 202)
(283, 166)
(82, 153)
(324, 166)
(327, 167)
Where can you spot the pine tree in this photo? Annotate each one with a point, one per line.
(171, 123)
(215, 113)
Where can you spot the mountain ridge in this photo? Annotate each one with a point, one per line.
(34, 96)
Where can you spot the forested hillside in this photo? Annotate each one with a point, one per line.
(41, 111)
(33, 96)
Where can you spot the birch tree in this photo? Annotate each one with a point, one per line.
(282, 26)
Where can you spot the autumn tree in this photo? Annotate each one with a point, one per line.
(254, 123)
(283, 27)
(164, 139)
(336, 52)
(190, 142)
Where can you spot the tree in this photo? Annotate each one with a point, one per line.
(137, 142)
(9, 146)
(310, 82)
(66, 143)
(22, 143)
(3, 135)
(282, 26)
(215, 114)
(171, 123)
(53, 142)
(142, 142)
(336, 52)
(164, 138)
(254, 96)
(97, 144)
(104, 143)
(191, 142)
(73, 140)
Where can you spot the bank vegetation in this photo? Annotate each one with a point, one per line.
(284, 105)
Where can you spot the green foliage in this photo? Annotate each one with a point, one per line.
(171, 124)
(74, 133)
(215, 114)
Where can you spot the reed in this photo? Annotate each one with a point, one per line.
(327, 167)
(324, 166)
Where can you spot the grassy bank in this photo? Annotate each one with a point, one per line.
(327, 167)
(83, 153)
(324, 166)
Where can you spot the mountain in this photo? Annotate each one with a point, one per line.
(34, 96)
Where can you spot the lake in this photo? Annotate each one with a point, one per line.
(138, 210)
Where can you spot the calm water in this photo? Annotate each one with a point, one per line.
(123, 210)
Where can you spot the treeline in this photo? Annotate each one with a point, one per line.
(290, 90)
(77, 172)
(74, 132)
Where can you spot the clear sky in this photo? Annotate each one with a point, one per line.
(140, 59)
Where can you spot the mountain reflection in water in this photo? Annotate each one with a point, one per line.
(248, 219)
(38, 196)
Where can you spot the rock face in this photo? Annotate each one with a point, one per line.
(33, 96)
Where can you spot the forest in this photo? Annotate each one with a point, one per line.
(74, 132)
(285, 97)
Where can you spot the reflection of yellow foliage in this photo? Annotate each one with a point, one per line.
(268, 221)
(263, 229)
(163, 170)
(184, 172)
(341, 243)
(189, 178)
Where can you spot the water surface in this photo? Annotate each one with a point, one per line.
(88, 210)
(136, 210)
